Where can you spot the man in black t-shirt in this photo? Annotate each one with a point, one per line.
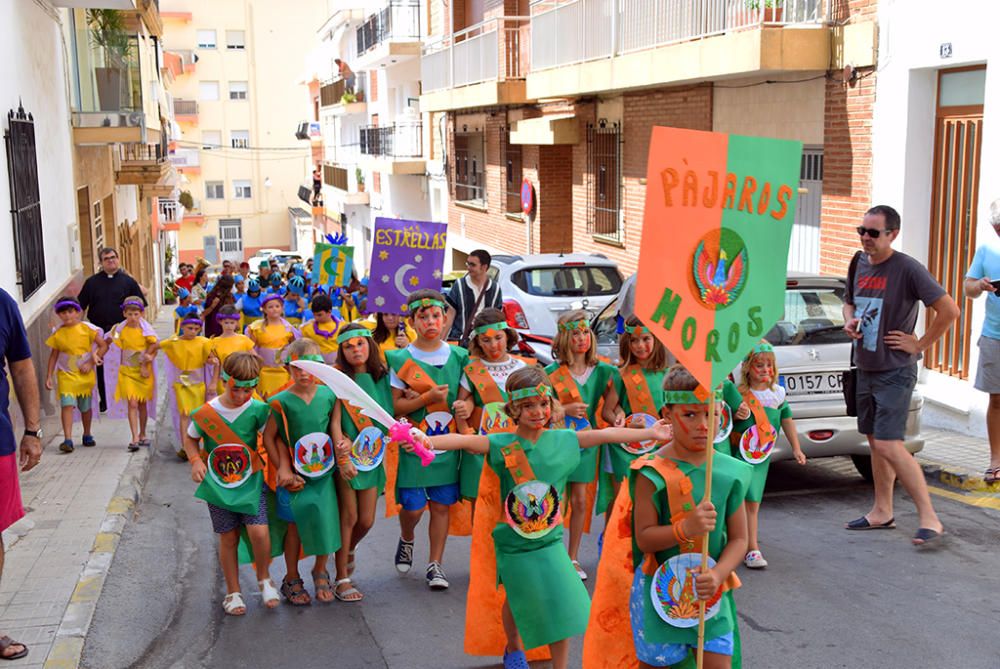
(102, 296)
(880, 312)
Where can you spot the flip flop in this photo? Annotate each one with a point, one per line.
(5, 643)
(927, 538)
(863, 524)
(991, 475)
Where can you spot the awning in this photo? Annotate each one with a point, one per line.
(546, 130)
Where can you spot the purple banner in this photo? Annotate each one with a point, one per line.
(406, 256)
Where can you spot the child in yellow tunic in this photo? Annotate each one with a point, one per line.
(322, 329)
(188, 356)
(76, 348)
(227, 343)
(271, 334)
(390, 331)
(138, 343)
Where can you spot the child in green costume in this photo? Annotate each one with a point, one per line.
(298, 437)
(359, 358)
(762, 404)
(425, 380)
(581, 381)
(233, 420)
(668, 526)
(546, 602)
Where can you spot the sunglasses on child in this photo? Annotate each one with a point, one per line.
(874, 233)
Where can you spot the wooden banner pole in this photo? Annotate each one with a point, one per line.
(712, 425)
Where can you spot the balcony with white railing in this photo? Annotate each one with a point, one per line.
(186, 161)
(482, 65)
(388, 36)
(588, 46)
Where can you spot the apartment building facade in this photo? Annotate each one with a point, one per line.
(558, 97)
(379, 156)
(238, 105)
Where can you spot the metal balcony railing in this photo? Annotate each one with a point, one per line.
(170, 210)
(398, 20)
(133, 153)
(186, 158)
(494, 50)
(399, 140)
(332, 93)
(564, 32)
(185, 107)
(335, 177)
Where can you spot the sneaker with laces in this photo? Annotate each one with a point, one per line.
(436, 579)
(404, 556)
(755, 560)
(579, 571)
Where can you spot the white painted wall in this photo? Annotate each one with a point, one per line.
(903, 144)
(32, 70)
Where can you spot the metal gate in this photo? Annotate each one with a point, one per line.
(803, 251)
(231, 239)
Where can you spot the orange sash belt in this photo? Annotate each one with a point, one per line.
(565, 387)
(640, 399)
(416, 377)
(214, 426)
(765, 430)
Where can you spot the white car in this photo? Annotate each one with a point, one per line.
(263, 255)
(538, 288)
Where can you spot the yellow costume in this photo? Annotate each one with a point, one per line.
(223, 347)
(135, 378)
(390, 343)
(325, 336)
(270, 339)
(189, 356)
(73, 342)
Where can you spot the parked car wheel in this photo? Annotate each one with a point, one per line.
(863, 463)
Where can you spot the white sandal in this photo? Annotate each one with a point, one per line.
(269, 593)
(233, 601)
(345, 595)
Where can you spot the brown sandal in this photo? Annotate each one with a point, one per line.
(5, 643)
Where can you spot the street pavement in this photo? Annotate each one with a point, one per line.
(829, 599)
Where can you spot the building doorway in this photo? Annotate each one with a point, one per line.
(231, 239)
(958, 140)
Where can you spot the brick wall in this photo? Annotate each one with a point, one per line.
(681, 108)
(847, 155)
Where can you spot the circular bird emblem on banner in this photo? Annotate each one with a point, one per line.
(532, 509)
(314, 455)
(368, 449)
(229, 465)
(718, 268)
(672, 591)
(640, 447)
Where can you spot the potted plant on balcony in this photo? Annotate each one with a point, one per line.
(774, 10)
(348, 98)
(186, 200)
(107, 32)
(360, 176)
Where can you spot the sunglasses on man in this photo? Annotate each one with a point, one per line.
(874, 233)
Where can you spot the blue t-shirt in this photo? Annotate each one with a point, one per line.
(986, 263)
(13, 348)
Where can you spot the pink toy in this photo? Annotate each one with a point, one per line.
(403, 433)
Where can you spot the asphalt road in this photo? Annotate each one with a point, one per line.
(829, 599)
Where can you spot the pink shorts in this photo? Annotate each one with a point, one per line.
(11, 509)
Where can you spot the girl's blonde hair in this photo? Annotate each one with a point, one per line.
(527, 377)
(561, 349)
(744, 385)
(242, 365)
(489, 316)
(658, 359)
(300, 347)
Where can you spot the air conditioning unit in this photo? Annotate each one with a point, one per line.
(303, 131)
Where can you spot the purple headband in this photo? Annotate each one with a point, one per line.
(133, 303)
(67, 303)
(227, 317)
(191, 320)
(271, 298)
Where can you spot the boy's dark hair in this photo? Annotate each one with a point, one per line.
(228, 310)
(242, 365)
(489, 316)
(891, 216)
(679, 378)
(657, 360)
(67, 302)
(373, 365)
(483, 256)
(424, 293)
(321, 302)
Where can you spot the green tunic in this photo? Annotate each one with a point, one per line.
(729, 482)
(471, 468)
(381, 392)
(244, 499)
(731, 396)
(591, 393)
(444, 469)
(621, 459)
(315, 506)
(546, 597)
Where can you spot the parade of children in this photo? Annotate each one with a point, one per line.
(502, 448)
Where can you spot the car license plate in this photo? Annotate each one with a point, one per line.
(819, 383)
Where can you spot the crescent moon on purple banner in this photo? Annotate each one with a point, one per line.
(398, 281)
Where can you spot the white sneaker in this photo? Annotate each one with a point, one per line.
(755, 560)
(579, 571)
(436, 579)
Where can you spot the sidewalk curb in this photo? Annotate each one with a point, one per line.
(67, 647)
(956, 480)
